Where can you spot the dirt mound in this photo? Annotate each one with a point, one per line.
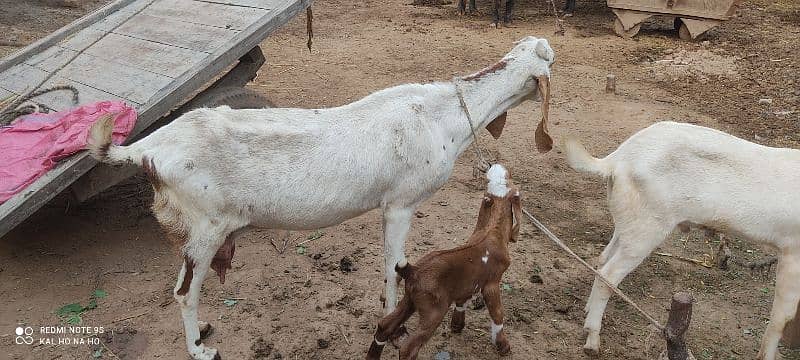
(703, 65)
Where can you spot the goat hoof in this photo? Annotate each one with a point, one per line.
(503, 348)
(399, 336)
(205, 329)
(217, 356)
(591, 352)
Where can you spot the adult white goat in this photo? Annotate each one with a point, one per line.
(217, 171)
(672, 175)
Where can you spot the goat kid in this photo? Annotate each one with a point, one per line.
(218, 171)
(455, 276)
(674, 175)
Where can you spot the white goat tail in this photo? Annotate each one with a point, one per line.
(580, 159)
(100, 146)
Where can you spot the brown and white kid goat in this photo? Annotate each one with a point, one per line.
(457, 275)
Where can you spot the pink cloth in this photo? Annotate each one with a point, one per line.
(35, 143)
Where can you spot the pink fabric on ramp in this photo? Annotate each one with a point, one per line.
(35, 143)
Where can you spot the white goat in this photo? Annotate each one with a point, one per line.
(216, 171)
(672, 175)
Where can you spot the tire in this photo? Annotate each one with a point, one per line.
(627, 34)
(235, 97)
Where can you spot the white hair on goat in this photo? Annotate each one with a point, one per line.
(671, 174)
(498, 180)
(217, 171)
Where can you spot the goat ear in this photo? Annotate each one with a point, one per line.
(496, 126)
(516, 212)
(483, 213)
(544, 142)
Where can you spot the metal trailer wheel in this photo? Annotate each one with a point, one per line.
(619, 29)
(236, 97)
(683, 31)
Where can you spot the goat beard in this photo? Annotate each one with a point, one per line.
(222, 259)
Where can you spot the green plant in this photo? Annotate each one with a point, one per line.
(71, 313)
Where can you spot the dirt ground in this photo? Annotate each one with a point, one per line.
(322, 302)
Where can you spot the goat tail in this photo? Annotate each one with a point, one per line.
(404, 269)
(99, 144)
(580, 159)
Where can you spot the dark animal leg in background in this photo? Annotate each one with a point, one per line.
(496, 13)
(509, 10)
(461, 6)
(569, 7)
(472, 6)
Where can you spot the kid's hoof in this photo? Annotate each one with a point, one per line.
(205, 330)
(217, 357)
(399, 336)
(504, 349)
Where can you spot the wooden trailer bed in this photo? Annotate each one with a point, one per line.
(154, 54)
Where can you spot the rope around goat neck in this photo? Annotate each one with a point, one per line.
(613, 288)
(482, 164)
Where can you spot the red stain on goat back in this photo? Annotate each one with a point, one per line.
(500, 65)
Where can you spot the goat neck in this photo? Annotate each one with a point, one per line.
(491, 92)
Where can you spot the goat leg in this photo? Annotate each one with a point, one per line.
(457, 321)
(491, 295)
(430, 317)
(569, 8)
(389, 326)
(496, 14)
(784, 305)
(509, 10)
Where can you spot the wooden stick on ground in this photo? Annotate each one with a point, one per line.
(680, 316)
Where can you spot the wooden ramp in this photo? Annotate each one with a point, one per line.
(154, 54)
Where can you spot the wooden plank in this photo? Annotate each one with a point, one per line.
(120, 17)
(284, 11)
(18, 208)
(62, 100)
(90, 34)
(707, 9)
(261, 4)
(62, 33)
(176, 33)
(123, 81)
(146, 55)
(19, 77)
(5, 94)
(206, 13)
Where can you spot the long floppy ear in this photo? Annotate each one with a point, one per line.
(544, 142)
(496, 126)
(516, 212)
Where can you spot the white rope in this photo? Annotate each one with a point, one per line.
(613, 288)
(482, 165)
